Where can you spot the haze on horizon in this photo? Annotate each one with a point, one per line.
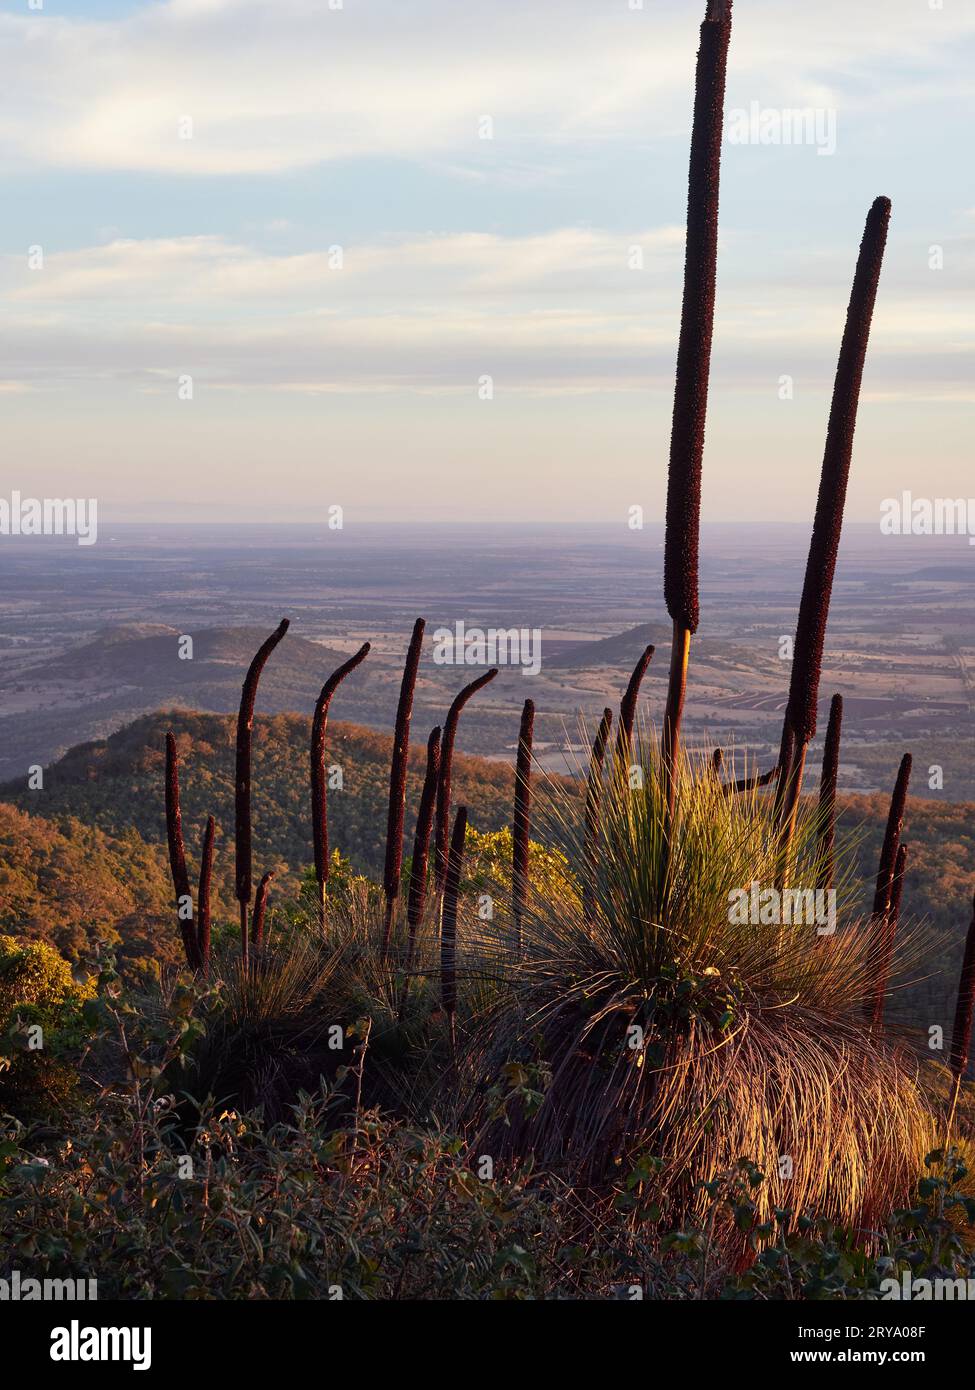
(360, 128)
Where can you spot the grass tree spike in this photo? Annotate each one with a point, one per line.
(824, 546)
(242, 783)
(697, 321)
(446, 764)
(892, 834)
(177, 856)
(827, 795)
(885, 876)
(204, 910)
(521, 827)
(683, 522)
(749, 784)
(416, 899)
(260, 910)
(319, 782)
(448, 929)
(961, 1034)
(594, 787)
(628, 705)
(888, 936)
(799, 724)
(397, 780)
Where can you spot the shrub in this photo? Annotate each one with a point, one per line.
(41, 1025)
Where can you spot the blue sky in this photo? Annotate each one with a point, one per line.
(463, 257)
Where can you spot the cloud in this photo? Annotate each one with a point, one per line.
(551, 313)
(277, 87)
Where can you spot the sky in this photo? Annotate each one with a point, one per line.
(423, 259)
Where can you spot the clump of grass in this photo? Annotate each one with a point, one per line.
(319, 782)
(446, 765)
(243, 852)
(701, 1036)
(397, 780)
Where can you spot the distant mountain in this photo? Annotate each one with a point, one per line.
(147, 656)
(623, 650)
(123, 672)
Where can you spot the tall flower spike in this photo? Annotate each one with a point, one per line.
(319, 781)
(446, 765)
(888, 934)
(260, 910)
(826, 853)
(961, 1035)
(206, 877)
(177, 856)
(448, 928)
(892, 835)
(682, 539)
(397, 780)
(242, 782)
(594, 787)
(628, 706)
(416, 899)
(827, 527)
(521, 827)
(799, 724)
(885, 882)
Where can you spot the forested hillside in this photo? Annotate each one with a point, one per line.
(89, 857)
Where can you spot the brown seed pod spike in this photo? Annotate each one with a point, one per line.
(177, 856)
(260, 909)
(242, 783)
(206, 877)
(826, 853)
(827, 527)
(397, 780)
(887, 936)
(522, 818)
(416, 900)
(594, 788)
(628, 706)
(448, 926)
(961, 1036)
(319, 782)
(446, 765)
(697, 323)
